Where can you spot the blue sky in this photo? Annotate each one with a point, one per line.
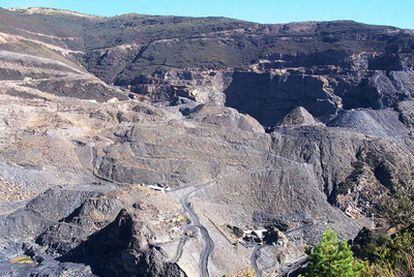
(398, 13)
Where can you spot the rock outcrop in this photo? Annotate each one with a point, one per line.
(122, 249)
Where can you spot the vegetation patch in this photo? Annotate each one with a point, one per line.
(21, 260)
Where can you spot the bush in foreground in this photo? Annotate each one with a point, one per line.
(332, 258)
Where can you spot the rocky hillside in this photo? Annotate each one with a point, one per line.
(171, 146)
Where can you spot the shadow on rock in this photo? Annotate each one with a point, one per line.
(122, 249)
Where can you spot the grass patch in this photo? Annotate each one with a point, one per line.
(21, 260)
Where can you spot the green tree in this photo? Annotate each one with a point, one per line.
(332, 258)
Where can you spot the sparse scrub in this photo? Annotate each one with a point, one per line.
(393, 255)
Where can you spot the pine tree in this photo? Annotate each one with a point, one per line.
(332, 258)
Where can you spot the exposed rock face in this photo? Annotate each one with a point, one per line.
(324, 91)
(406, 113)
(122, 249)
(270, 96)
(147, 146)
(203, 86)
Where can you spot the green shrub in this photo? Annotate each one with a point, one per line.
(393, 257)
(332, 258)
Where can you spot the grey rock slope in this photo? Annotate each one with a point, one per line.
(299, 116)
(165, 146)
